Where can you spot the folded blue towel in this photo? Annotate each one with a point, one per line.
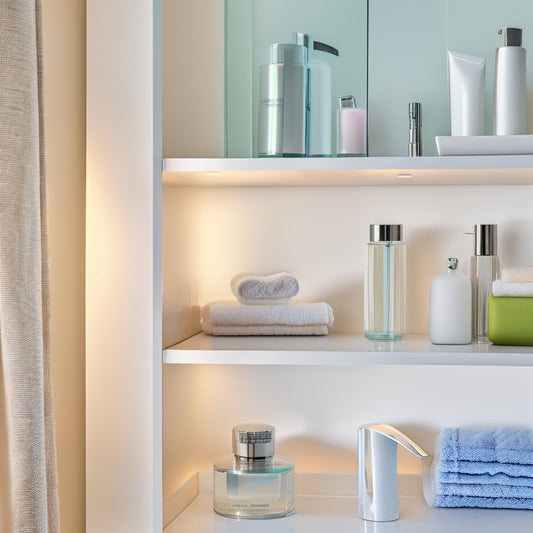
(491, 468)
(475, 501)
(484, 491)
(478, 467)
(503, 445)
(484, 479)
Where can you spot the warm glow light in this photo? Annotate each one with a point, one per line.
(213, 173)
(404, 176)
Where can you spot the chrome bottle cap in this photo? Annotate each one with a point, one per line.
(486, 239)
(386, 232)
(288, 54)
(452, 263)
(347, 101)
(253, 441)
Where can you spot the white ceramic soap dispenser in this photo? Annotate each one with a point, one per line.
(450, 317)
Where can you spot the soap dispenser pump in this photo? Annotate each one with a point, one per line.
(484, 268)
(319, 96)
(510, 86)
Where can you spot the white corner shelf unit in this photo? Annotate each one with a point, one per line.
(361, 171)
(339, 349)
(124, 323)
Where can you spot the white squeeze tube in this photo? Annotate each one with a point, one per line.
(467, 93)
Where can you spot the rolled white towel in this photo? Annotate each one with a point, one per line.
(273, 289)
(517, 274)
(265, 318)
(506, 289)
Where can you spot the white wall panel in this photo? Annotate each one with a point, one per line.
(123, 284)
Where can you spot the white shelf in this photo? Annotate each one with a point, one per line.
(319, 514)
(339, 349)
(359, 171)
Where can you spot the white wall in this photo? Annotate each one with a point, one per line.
(64, 103)
(319, 234)
(316, 410)
(193, 78)
(123, 282)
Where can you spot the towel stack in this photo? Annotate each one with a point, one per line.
(264, 306)
(491, 469)
(511, 307)
(515, 282)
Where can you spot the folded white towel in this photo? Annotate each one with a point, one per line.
(255, 317)
(520, 290)
(518, 274)
(265, 330)
(274, 289)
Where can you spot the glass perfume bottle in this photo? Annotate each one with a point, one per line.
(385, 283)
(255, 483)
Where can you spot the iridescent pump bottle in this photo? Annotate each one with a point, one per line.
(385, 283)
(255, 483)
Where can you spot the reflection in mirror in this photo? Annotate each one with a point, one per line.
(288, 64)
(407, 56)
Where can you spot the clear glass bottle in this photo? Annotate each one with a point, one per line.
(385, 283)
(255, 483)
(484, 267)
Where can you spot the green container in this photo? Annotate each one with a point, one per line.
(511, 321)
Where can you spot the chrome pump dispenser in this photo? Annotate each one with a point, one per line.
(282, 119)
(510, 84)
(484, 268)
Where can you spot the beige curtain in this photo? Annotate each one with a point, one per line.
(28, 492)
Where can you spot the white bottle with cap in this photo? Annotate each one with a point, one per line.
(351, 128)
(510, 91)
(450, 315)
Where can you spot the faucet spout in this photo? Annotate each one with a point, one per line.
(378, 463)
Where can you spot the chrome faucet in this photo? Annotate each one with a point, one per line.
(378, 476)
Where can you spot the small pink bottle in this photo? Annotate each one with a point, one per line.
(351, 129)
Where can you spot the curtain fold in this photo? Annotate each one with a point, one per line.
(28, 493)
